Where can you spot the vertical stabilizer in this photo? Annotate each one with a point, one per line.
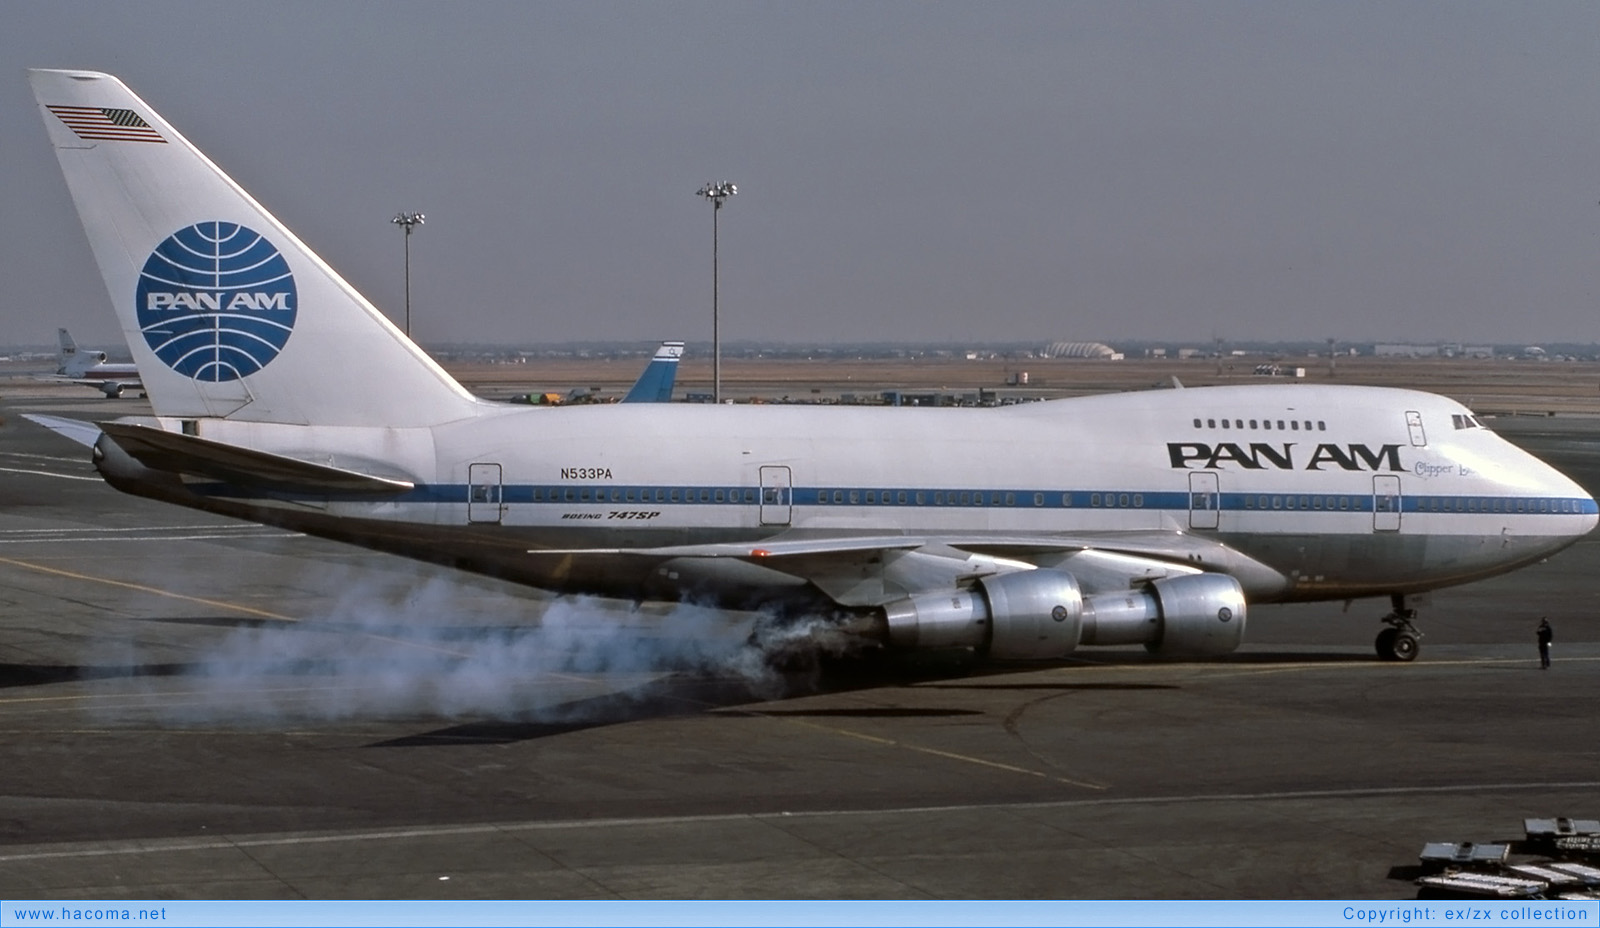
(226, 312)
(655, 384)
(67, 356)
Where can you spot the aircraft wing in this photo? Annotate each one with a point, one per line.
(1170, 544)
(174, 452)
(84, 433)
(871, 571)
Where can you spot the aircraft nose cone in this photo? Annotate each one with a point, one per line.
(1591, 515)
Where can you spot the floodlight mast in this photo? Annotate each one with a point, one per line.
(408, 221)
(716, 193)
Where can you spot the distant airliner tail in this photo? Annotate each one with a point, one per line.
(655, 384)
(226, 312)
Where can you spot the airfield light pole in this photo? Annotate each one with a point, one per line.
(716, 193)
(408, 221)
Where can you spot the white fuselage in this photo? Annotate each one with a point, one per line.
(1301, 491)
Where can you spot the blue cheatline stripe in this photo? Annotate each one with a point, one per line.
(946, 498)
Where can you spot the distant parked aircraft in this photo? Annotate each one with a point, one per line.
(655, 384)
(91, 369)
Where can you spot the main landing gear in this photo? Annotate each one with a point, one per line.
(1398, 642)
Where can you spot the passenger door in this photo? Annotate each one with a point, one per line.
(1205, 502)
(484, 493)
(776, 495)
(1385, 503)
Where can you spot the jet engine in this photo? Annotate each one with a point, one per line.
(1022, 615)
(1194, 615)
(1043, 614)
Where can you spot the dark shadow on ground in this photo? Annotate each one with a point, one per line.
(673, 696)
(45, 674)
(1143, 659)
(886, 712)
(223, 621)
(1048, 686)
(690, 694)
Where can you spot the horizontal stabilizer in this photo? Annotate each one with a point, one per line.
(84, 433)
(173, 452)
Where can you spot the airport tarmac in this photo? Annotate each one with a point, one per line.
(196, 708)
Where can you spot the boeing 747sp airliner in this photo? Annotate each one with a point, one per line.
(283, 397)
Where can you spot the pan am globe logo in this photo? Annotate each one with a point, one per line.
(216, 301)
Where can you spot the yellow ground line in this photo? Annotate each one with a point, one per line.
(1480, 662)
(216, 603)
(247, 610)
(156, 697)
(190, 732)
(1246, 670)
(951, 755)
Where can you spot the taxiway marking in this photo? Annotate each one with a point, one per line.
(920, 749)
(154, 591)
(215, 603)
(46, 473)
(179, 845)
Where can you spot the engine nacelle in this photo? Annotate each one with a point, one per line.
(1022, 615)
(1202, 614)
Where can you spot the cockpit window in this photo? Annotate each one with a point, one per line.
(1465, 422)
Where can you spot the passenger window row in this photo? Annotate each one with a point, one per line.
(1312, 502)
(644, 495)
(1264, 425)
(1116, 500)
(921, 498)
(1494, 504)
(1003, 498)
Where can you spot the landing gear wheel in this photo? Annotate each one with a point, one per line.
(1385, 643)
(1398, 642)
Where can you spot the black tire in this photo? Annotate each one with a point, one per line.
(1406, 647)
(1385, 644)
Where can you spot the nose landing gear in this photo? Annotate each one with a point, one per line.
(1398, 642)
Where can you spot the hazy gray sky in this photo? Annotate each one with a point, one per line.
(915, 171)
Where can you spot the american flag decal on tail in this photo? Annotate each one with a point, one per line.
(104, 123)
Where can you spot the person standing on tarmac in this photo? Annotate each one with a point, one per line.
(1546, 635)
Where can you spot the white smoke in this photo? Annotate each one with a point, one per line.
(440, 648)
